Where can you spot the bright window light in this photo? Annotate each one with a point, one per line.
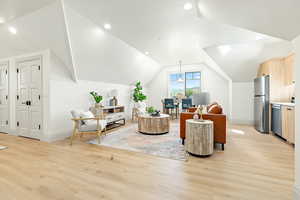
(107, 26)
(12, 30)
(225, 49)
(240, 132)
(188, 6)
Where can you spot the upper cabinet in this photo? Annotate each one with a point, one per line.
(289, 64)
(281, 72)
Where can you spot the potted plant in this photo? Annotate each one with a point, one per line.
(150, 110)
(97, 98)
(139, 96)
(153, 112)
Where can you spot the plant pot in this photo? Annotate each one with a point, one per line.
(98, 105)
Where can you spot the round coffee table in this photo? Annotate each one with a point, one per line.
(148, 124)
(199, 137)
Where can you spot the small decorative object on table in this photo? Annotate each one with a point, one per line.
(114, 100)
(154, 113)
(199, 111)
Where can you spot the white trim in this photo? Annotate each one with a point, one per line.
(74, 72)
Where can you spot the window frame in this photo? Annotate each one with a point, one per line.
(184, 72)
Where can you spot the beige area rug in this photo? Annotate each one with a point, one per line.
(128, 138)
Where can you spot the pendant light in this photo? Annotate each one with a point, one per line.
(180, 80)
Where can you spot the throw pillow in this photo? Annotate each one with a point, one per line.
(212, 104)
(215, 109)
(87, 114)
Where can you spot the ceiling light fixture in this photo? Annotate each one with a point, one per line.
(188, 6)
(147, 53)
(180, 79)
(225, 49)
(107, 26)
(259, 37)
(12, 30)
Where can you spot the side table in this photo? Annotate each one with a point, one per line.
(199, 137)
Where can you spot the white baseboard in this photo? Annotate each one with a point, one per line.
(52, 137)
(241, 122)
(296, 192)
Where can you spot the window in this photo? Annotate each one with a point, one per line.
(190, 85)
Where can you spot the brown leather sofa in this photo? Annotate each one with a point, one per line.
(219, 125)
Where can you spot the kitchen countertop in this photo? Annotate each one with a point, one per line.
(285, 103)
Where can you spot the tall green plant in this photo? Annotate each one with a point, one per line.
(97, 98)
(138, 94)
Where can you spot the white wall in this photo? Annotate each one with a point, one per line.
(212, 82)
(297, 139)
(66, 95)
(242, 103)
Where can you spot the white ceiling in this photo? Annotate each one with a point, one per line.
(36, 31)
(12, 9)
(162, 28)
(169, 34)
(242, 61)
(99, 56)
(278, 18)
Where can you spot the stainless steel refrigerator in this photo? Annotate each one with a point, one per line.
(262, 103)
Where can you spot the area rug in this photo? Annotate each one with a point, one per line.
(128, 138)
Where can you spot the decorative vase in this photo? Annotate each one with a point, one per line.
(196, 116)
(97, 110)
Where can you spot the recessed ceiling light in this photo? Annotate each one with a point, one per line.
(107, 26)
(12, 30)
(147, 53)
(188, 6)
(259, 37)
(2, 20)
(225, 49)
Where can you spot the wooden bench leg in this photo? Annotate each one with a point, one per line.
(98, 136)
(74, 133)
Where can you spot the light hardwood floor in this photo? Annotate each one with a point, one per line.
(252, 167)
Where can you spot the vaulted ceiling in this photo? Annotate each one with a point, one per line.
(237, 35)
(277, 18)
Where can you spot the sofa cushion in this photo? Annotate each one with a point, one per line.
(215, 109)
(92, 125)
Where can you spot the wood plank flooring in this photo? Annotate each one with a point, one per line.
(252, 167)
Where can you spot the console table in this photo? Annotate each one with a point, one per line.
(113, 115)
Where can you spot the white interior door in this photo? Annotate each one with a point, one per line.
(4, 105)
(29, 108)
